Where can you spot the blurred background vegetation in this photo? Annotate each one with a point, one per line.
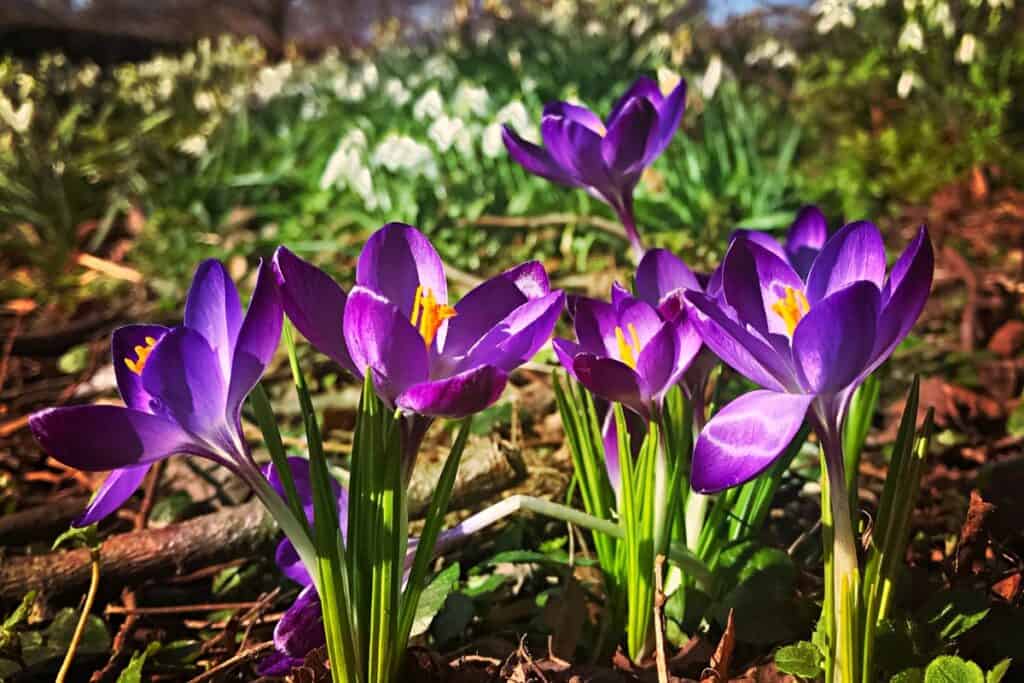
(227, 146)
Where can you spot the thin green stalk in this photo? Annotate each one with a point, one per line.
(428, 538)
(260, 403)
(332, 584)
(83, 619)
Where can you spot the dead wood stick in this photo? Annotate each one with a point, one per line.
(42, 521)
(126, 558)
(244, 530)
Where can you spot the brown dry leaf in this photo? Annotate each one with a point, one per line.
(973, 537)
(1008, 340)
(720, 660)
(1008, 588)
(565, 618)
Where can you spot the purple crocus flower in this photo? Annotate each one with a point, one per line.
(301, 628)
(606, 158)
(808, 341)
(626, 352)
(183, 389)
(426, 357)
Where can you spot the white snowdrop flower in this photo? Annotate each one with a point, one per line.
(784, 58)
(311, 109)
(484, 36)
(88, 75)
(766, 50)
(445, 130)
(997, 4)
(712, 78)
(429, 106)
(471, 99)
(18, 119)
(940, 17)
(594, 28)
(491, 142)
(965, 51)
(911, 38)
(906, 83)
(832, 13)
(204, 101)
(193, 145)
(515, 116)
(271, 81)
(439, 68)
(528, 84)
(667, 79)
(869, 4)
(370, 76)
(402, 153)
(515, 58)
(640, 26)
(397, 92)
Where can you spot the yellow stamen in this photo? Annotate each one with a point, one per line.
(428, 314)
(141, 354)
(628, 351)
(791, 308)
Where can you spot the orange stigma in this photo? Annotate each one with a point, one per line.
(428, 314)
(791, 308)
(141, 353)
(629, 351)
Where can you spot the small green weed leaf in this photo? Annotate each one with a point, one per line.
(996, 673)
(949, 669)
(953, 613)
(74, 360)
(433, 598)
(908, 676)
(801, 659)
(454, 617)
(133, 672)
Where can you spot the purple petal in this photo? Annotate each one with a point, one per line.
(183, 376)
(518, 337)
(301, 629)
(456, 396)
(762, 239)
(745, 437)
(637, 428)
(620, 294)
(104, 437)
(112, 493)
(643, 87)
(641, 316)
(575, 113)
(670, 113)
(315, 304)
(381, 339)
(661, 273)
(304, 488)
(214, 310)
(832, 343)
(277, 664)
(807, 235)
(612, 380)
(490, 302)
(257, 340)
(854, 253)
(631, 138)
(740, 347)
(396, 260)
(577, 148)
(566, 352)
(535, 159)
(754, 280)
(904, 296)
(122, 346)
(290, 564)
(594, 322)
(667, 355)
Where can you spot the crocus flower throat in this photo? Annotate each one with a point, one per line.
(791, 308)
(141, 354)
(428, 315)
(629, 351)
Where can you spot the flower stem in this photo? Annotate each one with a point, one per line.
(636, 244)
(845, 593)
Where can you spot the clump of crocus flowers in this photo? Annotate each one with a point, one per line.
(808, 321)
